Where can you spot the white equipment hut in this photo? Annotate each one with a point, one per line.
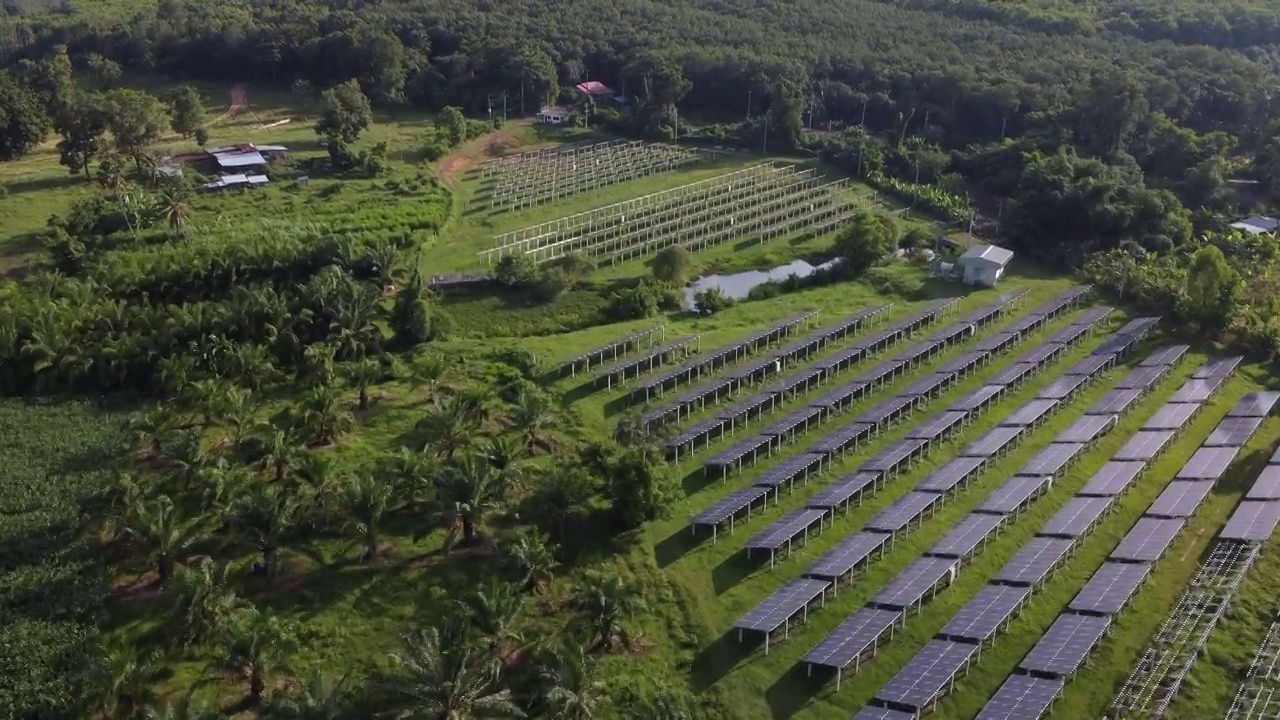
(984, 264)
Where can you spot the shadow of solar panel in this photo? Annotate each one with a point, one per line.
(1066, 644)
(983, 616)
(1086, 429)
(1076, 517)
(927, 675)
(1144, 445)
(1110, 587)
(1209, 463)
(1114, 402)
(904, 511)
(1030, 413)
(1165, 356)
(783, 604)
(892, 458)
(1148, 539)
(1062, 388)
(1171, 416)
(1112, 478)
(1233, 432)
(786, 529)
(1218, 367)
(956, 472)
(938, 425)
(1267, 486)
(966, 535)
(1022, 697)
(1012, 375)
(993, 442)
(1052, 459)
(1255, 404)
(914, 582)
(1091, 365)
(979, 398)
(1142, 378)
(843, 558)
(1033, 563)
(852, 639)
(1196, 390)
(732, 504)
(871, 712)
(1253, 521)
(1014, 493)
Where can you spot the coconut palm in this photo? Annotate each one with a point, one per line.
(323, 697)
(363, 373)
(364, 499)
(125, 682)
(531, 417)
(572, 691)
(256, 645)
(606, 604)
(469, 489)
(265, 514)
(172, 208)
(532, 557)
(441, 675)
(204, 601)
(157, 525)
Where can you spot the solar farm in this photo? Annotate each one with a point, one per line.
(951, 508)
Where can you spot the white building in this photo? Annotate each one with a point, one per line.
(554, 115)
(1257, 225)
(235, 181)
(984, 264)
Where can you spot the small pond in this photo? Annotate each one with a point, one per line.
(739, 285)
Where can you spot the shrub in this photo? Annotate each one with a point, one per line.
(893, 281)
(521, 359)
(640, 301)
(515, 271)
(673, 265)
(711, 301)
(764, 291)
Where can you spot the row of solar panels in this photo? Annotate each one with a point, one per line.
(795, 597)
(863, 632)
(613, 350)
(1065, 646)
(1041, 676)
(1255, 518)
(864, 385)
(654, 358)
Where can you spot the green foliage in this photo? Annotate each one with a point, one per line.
(135, 119)
(515, 271)
(452, 125)
(640, 486)
(23, 123)
(711, 301)
(641, 300)
(410, 320)
(81, 123)
(935, 200)
(1213, 288)
(187, 110)
(345, 113)
(673, 265)
(866, 240)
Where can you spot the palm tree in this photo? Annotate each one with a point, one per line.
(257, 644)
(204, 601)
(493, 610)
(157, 525)
(441, 676)
(533, 559)
(240, 410)
(470, 488)
(277, 449)
(184, 708)
(504, 455)
(126, 681)
(265, 514)
(364, 499)
(381, 257)
(173, 208)
(363, 373)
(429, 371)
(605, 604)
(150, 427)
(317, 367)
(531, 416)
(321, 698)
(322, 417)
(572, 690)
(186, 458)
(449, 426)
(413, 474)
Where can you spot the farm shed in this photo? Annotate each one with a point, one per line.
(984, 265)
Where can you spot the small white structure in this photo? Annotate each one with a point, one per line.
(554, 115)
(1257, 225)
(234, 181)
(984, 264)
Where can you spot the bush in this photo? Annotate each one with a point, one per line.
(673, 265)
(893, 281)
(516, 271)
(633, 303)
(711, 301)
(764, 291)
(522, 360)
(553, 283)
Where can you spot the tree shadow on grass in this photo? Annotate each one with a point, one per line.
(735, 569)
(44, 183)
(719, 658)
(791, 692)
(676, 546)
(698, 480)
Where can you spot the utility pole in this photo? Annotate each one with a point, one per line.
(863, 123)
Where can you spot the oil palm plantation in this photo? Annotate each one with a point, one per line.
(364, 499)
(440, 674)
(449, 427)
(158, 526)
(256, 645)
(531, 416)
(322, 697)
(470, 488)
(203, 602)
(265, 515)
(572, 689)
(363, 373)
(606, 605)
(125, 683)
(532, 558)
(322, 417)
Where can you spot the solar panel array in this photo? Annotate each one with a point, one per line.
(614, 350)
(652, 359)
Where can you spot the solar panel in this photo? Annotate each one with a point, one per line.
(1086, 429)
(1217, 367)
(1196, 390)
(892, 458)
(1052, 459)
(1141, 378)
(1030, 413)
(840, 396)
(842, 491)
(1076, 517)
(843, 558)
(1024, 325)
(1233, 432)
(785, 529)
(1093, 315)
(927, 674)
(1011, 375)
(1110, 587)
(784, 603)
(1112, 478)
(1066, 644)
(872, 712)
(958, 471)
(1061, 388)
(979, 398)
(966, 535)
(1148, 539)
(910, 585)
(732, 504)
(993, 442)
(1034, 562)
(1267, 486)
(792, 421)
(918, 352)
(1022, 697)
(1042, 354)
(739, 450)
(925, 386)
(879, 373)
(981, 618)
(1116, 345)
(1114, 402)
(1067, 335)
(1144, 445)
(1013, 494)
(1171, 416)
(1165, 356)
(844, 437)
(1255, 404)
(852, 638)
(964, 362)
(997, 342)
(938, 425)
(904, 511)
(1209, 463)
(1091, 365)
(1253, 521)
(789, 470)
(1138, 326)
(753, 405)
(886, 411)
